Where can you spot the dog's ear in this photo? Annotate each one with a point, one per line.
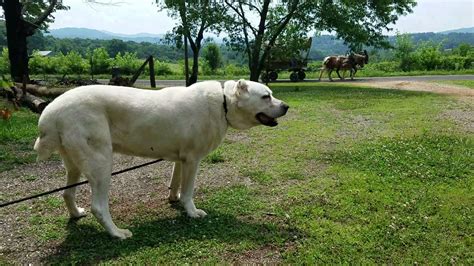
(241, 88)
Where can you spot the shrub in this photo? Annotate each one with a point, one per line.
(75, 64)
(99, 60)
(162, 68)
(128, 62)
(212, 56)
(385, 66)
(232, 69)
(428, 56)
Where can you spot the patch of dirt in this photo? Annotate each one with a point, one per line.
(147, 186)
(262, 256)
(462, 113)
(420, 86)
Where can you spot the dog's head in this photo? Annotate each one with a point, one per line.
(252, 104)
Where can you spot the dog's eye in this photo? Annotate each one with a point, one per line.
(266, 97)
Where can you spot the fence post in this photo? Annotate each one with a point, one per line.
(152, 71)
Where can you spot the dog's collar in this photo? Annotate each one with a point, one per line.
(224, 104)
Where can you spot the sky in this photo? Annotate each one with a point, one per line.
(138, 16)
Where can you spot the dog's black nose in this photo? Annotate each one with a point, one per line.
(285, 106)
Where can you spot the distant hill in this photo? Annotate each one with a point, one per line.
(461, 30)
(85, 33)
(325, 45)
(322, 45)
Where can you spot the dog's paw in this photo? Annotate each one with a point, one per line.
(173, 198)
(198, 213)
(122, 234)
(79, 213)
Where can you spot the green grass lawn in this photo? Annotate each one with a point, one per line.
(351, 175)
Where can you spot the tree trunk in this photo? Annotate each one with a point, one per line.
(255, 73)
(194, 72)
(17, 32)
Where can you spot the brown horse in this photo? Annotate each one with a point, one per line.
(350, 62)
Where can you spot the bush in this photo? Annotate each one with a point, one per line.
(386, 66)
(128, 63)
(232, 69)
(428, 57)
(100, 61)
(74, 63)
(162, 68)
(454, 62)
(212, 56)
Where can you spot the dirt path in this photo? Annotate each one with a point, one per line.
(418, 86)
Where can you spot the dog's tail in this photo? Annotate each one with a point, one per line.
(47, 143)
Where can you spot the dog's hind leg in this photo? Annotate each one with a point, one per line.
(99, 166)
(93, 156)
(175, 183)
(188, 174)
(73, 174)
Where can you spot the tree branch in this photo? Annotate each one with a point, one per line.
(46, 13)
(242, 16)
(277, 32)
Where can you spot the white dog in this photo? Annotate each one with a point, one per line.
(180, 124)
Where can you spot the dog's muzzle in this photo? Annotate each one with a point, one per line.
(267, 120)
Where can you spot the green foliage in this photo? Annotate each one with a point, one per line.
(428, 56)
(162, 68)
(99, 61)
(128, 62)
(39, 64)
(74, 64)
(231, 69)
(404, 49)
(4, 62)
(33, 9)
(213, 56)
(464, 49)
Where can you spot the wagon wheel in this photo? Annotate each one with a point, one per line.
(273, 75)
(294, 77)
(301, 75)
(264, 77)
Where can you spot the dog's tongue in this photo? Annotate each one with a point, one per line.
(266, 120)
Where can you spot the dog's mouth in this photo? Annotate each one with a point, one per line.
(266, 120)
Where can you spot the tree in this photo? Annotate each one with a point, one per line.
(213, 56)
(404, 49)
(116, 46)
(357, 22)
(197, 17)
(22, 20)
(463, 49)
(99, 60)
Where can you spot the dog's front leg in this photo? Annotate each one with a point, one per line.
(188, 174)
(175, 183)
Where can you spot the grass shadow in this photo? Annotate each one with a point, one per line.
(218, 232)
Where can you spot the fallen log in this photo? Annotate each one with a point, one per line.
(43, 91)
(34, 103)
(19, 98)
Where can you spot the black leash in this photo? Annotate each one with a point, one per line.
(75, 185)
